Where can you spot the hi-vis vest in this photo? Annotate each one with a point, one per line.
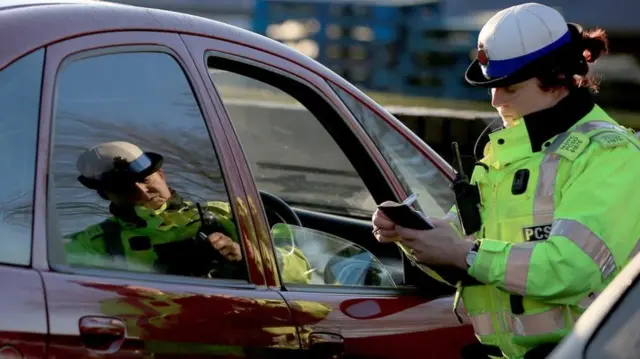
(109, 243)
(549, 247)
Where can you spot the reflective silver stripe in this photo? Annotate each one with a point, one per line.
(517, 270)
(540, 323)
(596, 125)
(543, 205)
(508, 321)
(547, 322)
(588, 300)
(588, 241)
(482, 324)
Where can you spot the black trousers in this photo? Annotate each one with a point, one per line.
(481, 351)
(541, 351)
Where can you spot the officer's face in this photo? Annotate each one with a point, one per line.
(521, 99)
(152, 193)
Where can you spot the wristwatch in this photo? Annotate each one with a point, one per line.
(472, 254)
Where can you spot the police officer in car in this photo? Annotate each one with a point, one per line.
(558, 198)
(152, 228)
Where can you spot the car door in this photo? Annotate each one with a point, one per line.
(608, 328)
(139, 87)
(304, 145)
(23, 319)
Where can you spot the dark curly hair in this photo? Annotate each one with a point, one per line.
(572, 73)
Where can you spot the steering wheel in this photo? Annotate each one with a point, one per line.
(277, 209)
(357, 270)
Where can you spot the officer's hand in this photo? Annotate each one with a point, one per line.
(441, 245)
(383, 228)
(226, 246)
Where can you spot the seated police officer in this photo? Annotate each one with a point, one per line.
(152, 227)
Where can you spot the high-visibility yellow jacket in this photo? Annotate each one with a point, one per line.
(549, 248)
(108, 245)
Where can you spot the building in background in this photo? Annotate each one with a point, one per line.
(618, 17)
(620, 70)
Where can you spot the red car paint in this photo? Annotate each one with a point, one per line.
(56, 313)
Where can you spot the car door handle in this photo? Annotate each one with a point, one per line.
(326, 345)
(102, 334)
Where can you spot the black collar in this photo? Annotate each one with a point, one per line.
(545, 124)
(175, 201)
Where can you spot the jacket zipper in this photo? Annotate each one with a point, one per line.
(494, 293)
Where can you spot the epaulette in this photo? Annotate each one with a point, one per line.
(573, 144)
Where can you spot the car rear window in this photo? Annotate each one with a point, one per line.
(20, 105)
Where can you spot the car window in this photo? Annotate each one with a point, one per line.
(331, 260)
(290, 153)
(618, 337)
(416, 172)
(295, 151)
(142, 215)
(20, 103)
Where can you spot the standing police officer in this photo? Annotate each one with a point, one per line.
(558, 188)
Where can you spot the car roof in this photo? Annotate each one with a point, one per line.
(39, 23)
(42, 22)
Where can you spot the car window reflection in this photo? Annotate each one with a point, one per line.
(134, 171)
(331, 260)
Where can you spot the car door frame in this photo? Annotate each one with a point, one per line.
(198, 46)
(174, 46)
(54, 275)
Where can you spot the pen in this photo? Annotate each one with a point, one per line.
(409, 200)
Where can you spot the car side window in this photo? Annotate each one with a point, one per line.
(20, 85)
(328, 259)
(134, 172)
(289, 135)
(414, 170)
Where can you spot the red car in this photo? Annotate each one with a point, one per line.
(240, 119)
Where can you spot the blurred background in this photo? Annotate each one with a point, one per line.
(411, 55)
